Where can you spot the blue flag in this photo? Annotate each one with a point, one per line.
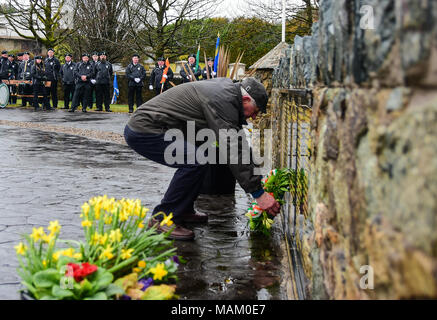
(216, 52)
(116, 91)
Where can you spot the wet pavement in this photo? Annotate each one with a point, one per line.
(46, 176)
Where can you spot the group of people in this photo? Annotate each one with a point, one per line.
(82, 80)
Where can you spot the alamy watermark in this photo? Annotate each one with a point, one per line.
(367, 280)
(367, 21)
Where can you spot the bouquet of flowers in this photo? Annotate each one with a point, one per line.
(118, 242)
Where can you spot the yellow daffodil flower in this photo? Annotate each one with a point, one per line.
(86, 209)
(126, 253)
(167, 220)
(54, 227)
(107, 253)
(158, 272)
(107, 219)
(20, 248)
(115, 235)
(86, 223)
(143, 212)
(136, 270)
(56, 255)
(37, 234)
(48, 238)
(77, 256)
(142, 264)
(44, 263)
(141, 225)
(68, 252)
(103, 239)
(95, 238)
(124, 215)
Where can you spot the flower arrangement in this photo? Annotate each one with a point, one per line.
(118, 243)
(276, 183)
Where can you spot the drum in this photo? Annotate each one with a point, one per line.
(4, 95)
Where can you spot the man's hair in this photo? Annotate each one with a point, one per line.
(245, 94)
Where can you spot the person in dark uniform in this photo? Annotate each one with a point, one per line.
(39, 76)
(83, 73)
(67, 77)
(157, 74)
(53, 66)
(4, 66)
(19, 57)
(210, 68)
(103, 73)
(190, 65)
(13, 74)
(94, 60)
(24, 73)
(135, 74)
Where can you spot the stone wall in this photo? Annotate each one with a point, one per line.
(372, 198)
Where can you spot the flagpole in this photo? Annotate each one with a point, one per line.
(283, 20)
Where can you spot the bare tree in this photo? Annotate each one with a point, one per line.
(101, 25)
(46, 20)
(155, 25)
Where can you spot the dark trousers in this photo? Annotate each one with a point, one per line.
(135, 90)
(81, 95)
(91, 92)
(187, 180)
(40, 90)
(12, 94)
(54, 92)
(68, 94)
(102, 96)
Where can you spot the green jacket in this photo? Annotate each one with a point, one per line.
(215, 104)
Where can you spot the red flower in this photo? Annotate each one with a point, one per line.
(80, 272)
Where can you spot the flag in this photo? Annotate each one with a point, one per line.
(167, 65)
(116, 91)
(197, 58)
(216, 52)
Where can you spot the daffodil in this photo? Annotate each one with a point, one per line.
(20, 248)
(159, 271)
(48, 237)
(103, 239)
(126, 253)
(95, 238)
(86, 209)
(37, 234)
(115, 235)
(143, 212)
(68, 252)
(167, 220)
(107, 219)
(136, 270)
(124, 215)
(77, 256)
(56, 255)
(44, 263)
(141, 225)
(54, 227)
(86, 223)
(107, 253)
(142, 264)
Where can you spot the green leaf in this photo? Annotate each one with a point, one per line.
(63, 261)
(98, 296)
(85, 287)
(48, 297)
(46, 278)
(60, 293)
(161, 292)
(113, 290)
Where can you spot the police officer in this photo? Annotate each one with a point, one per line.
(209, 69)
(103, 73)
(39, 76)
(157, 74)
(4, 66)
(19, 57)
(13, 74)
(53, 66)
(135, 74)
(24, 73)
(190, 65)
(83, 73)
(67, 77)
(94, 60)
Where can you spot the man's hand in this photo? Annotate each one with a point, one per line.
(150, 87)
(269, 204)
(137, 80)
(93, 81)
(165, 76)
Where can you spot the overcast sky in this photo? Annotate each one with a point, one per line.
(235, 8)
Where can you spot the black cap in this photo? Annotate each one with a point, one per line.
(20, 54)
(26, 52)
(38, 57)
(85, 55)
(4, 52)
(69, 55)
(135, 55)
(210, 59)
(161, 59)
(257, 91)
(11, 55)
(50, 49)
(192, 56)
(95, 53)
(103, 53)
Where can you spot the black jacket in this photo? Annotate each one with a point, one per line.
(103, 72)
(184, 75)
(13, 70)
(83, 69)
(53, 66)
(156, 76)
(215, 104)
(205, 76)
(39, 74)
(25, 69)
(4, 68)
(135, 71)
(67, 73)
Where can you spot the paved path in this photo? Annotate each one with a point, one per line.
(48, 175)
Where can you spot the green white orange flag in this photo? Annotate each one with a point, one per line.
(167, 65)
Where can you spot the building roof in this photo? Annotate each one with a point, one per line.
(272, 58)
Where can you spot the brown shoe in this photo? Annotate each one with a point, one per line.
(179, 233)
(196, 217)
